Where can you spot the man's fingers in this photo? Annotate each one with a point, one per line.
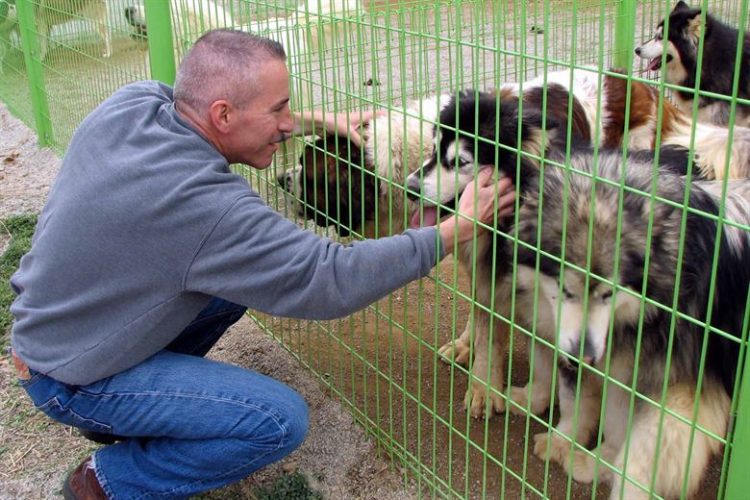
(484, 176)
(366, 116)
(506, 203)
(355, 139)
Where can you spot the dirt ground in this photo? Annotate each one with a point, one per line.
(383, 362)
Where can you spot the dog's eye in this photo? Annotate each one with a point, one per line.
(462, 162)
(606, 295)
(567, 294)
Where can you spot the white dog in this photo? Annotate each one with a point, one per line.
(49, 13)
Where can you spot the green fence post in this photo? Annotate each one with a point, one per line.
(737, 481)
(624, 31)
(160, 45)
(30, 44)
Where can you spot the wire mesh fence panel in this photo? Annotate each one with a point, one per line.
(590, 346)
(76, 54)
(386, 361)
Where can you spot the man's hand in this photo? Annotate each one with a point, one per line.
(345, 124)
(479, 202)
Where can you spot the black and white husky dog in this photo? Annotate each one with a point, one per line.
(629, 283)
(490, 128)
(680, 40)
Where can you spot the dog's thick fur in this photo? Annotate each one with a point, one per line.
(680, 40)
(467, 137)
(362, 191)
(593, 322)
(470, 129)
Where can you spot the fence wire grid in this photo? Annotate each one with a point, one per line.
(437, 372)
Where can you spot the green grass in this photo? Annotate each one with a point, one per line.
(292, 486)
(289, 487)
(20, 228)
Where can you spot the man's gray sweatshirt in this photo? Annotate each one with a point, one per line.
(145, 223)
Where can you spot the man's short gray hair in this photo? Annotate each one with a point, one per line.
(223, 64)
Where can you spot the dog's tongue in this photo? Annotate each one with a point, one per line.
(654, 64)
(429, 217)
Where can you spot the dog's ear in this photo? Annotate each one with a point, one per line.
(535, 124)
(694, 21)
(680, 5)
(691, 16)
(533, 117)
(487, 103)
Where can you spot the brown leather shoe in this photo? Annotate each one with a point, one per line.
(82, 484)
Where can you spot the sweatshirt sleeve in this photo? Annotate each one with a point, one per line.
(256, 257)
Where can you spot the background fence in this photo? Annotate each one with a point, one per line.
(343, 55)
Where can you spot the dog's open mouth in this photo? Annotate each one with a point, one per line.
(655, 63)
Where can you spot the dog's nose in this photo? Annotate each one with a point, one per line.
(638, 51)
(414, 187)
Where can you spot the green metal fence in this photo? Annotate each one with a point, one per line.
(383, 362)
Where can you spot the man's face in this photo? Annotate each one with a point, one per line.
(257, 130)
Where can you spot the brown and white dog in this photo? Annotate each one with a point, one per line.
(607, 115)
(362, 190)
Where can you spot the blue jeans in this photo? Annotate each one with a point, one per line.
(194, 424)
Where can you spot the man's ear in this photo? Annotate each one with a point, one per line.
(220, 114)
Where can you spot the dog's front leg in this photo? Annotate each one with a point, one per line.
(535, 396)
(99, 14)
(573, 426)
(483, 395)
(104, 32)
(43, 29)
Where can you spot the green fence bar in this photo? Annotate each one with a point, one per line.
(624, 30)
(31, 53)
(160, 44)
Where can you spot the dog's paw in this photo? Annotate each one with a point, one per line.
(476, 400)
(455, 351)
(554, 447)
(582, 467)
(520, 395)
